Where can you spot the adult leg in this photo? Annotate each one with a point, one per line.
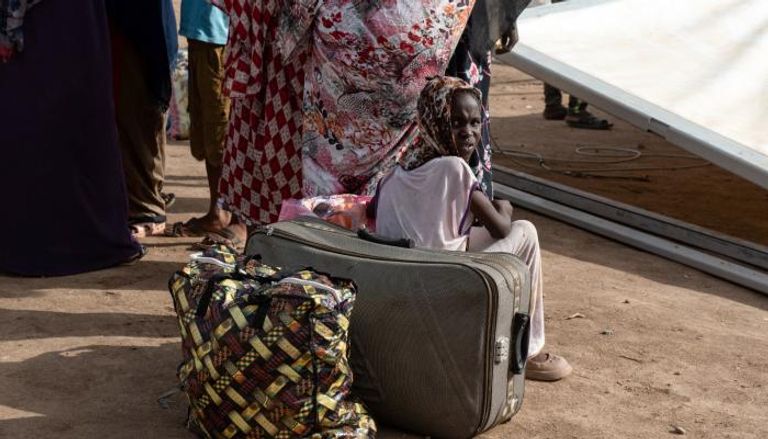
(215, 118)
(523, 242)
(262, 164)
(141, 133)
(576, 105)
(553, 105)
(209, 113)
(553, 98)
(579, 117)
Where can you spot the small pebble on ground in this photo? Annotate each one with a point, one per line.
(676, 429)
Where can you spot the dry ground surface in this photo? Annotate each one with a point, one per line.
(659, 344)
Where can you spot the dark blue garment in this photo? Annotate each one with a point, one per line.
(150, 26)
(471, 61)
(61, 181)
(490, 19)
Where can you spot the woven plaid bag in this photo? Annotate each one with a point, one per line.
(265, 352)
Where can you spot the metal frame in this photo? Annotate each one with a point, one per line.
(639, 228)
(694, 138)
(637, 218)
(736, 273)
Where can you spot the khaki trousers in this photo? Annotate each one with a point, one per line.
(208, 106)
(141, 134)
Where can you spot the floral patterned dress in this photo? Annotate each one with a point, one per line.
(324, 93)
(11, 21)
(478, 73)
(369, 62)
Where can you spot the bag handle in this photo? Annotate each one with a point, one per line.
(521, 328)
(213, 281)
(365, 235)
(239, 275)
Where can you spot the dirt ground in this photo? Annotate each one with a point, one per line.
(670, 181)
(659, 344)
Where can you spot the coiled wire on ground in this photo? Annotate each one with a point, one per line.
(604, 156)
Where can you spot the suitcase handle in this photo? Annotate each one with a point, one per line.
(378, 239)
(521, 330)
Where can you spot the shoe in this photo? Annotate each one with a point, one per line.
(555, 112)
(137, 257)
(547, 367)
(169, 198)
(586, 120)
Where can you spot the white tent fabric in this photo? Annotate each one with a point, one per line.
(694, 71)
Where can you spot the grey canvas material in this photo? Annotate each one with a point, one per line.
(431, 332)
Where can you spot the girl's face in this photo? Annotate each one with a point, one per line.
(466, 123)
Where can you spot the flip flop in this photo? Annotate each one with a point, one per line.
(588, 122)
(137, 257)
(187, 229)
(225, 237)
(143, 230)
(169, 198)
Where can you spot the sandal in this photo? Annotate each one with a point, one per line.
(137, 257)
(169, 198)
(189, 229)
(224, 237)
(587, 121)
(143, 230)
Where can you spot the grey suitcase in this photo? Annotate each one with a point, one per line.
(439, 339)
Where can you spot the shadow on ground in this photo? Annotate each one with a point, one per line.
(568, 241)
(27, 325)
(144, 275)
(92, 390)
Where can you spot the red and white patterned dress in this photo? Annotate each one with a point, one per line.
(262, 164)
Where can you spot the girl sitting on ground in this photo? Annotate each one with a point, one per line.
(433, 198)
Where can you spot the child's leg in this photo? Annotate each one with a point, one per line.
(523, 242)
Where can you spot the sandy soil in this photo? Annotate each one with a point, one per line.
(668, 184)
(659, 345)
(88, 355)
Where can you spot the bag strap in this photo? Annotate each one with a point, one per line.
(238, 275)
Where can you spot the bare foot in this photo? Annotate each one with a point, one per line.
(214, 221)
(234, 236)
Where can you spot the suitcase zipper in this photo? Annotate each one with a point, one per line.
(493, 305)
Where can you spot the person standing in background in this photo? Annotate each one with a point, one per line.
(324, 94)
(64, 200)
(491, 21)
(576, 114)
(144, 48)
(206, 28)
